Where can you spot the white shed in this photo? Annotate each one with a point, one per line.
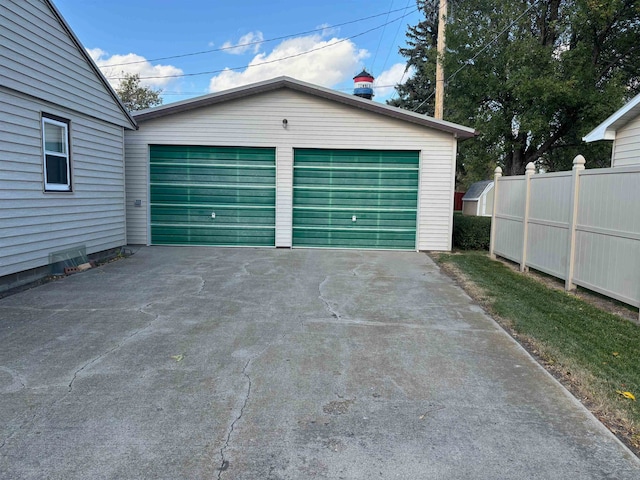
(478, 201)
(623, 127)
(61, 145)
(284, 163)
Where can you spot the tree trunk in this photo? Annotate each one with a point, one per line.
(517, 160)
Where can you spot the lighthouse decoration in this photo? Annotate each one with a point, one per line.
(363, 85)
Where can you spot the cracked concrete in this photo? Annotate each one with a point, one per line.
(327, 303)
(224, 463)
(279, 364)
(116, 347)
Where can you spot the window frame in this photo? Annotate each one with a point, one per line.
(65, 125)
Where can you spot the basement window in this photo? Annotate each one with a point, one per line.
(56, 157)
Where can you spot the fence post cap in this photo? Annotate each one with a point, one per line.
(578, 162)
(530, 169)
(497, 172)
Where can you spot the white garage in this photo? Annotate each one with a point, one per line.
(284, 163)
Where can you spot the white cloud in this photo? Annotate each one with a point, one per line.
(249, 42)
(385, 82)
(112, 68)
(329, 63)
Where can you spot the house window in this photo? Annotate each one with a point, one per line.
(55, 144)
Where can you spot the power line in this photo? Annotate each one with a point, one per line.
(468, 62)
(375, 55)
(259, 42)
(269, 61)
(394, 41)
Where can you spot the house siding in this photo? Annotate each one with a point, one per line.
(39, 58)
(626, 146)
(313, 122)
(35, 223)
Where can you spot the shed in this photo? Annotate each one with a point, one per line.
(61, 145)
(284, 163)
(478, 201)
(623, 127)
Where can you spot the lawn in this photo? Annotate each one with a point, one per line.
(593, 352)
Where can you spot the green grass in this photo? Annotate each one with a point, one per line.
(571, 334)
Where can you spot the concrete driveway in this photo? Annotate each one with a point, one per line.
(189, 363)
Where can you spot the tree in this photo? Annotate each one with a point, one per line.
(533, 77)
(135, 96)
(418, 92)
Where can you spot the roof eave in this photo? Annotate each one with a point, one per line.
(458, 131)
(607, 129)
(83, 51)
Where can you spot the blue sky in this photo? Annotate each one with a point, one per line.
(119, 32)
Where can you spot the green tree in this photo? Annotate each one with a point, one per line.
(135, 96)
(417, 93)
(533, 77)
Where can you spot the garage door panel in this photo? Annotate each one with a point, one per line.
(199, 155)
(333, 238)
(355, 198)
(188, 215)
(344, 219)
(379, 188)
(212, 195)
(355, 158)
(225, 236)
(219, 175)
(361, 178)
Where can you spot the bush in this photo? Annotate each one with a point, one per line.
(471, 233)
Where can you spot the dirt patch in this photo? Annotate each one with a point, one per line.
(568, 375)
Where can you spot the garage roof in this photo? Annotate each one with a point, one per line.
(458, 131)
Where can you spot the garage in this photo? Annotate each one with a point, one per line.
(287, 164)
(203, 195)
(355, 199)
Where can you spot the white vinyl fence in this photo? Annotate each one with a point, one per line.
(582, 226)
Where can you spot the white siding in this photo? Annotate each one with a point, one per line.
(312, 123)
(38, 57)
(626, 147)
(33, 223)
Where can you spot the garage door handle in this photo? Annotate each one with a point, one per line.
(213, 214)
(354, 218)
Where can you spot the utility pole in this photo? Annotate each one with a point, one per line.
(442, 21)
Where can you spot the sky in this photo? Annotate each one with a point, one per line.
(323, 42)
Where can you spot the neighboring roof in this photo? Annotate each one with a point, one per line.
(458, 131)
(476, 190)
(91, 63)
(607, 129)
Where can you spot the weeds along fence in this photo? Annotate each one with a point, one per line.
(582, 226)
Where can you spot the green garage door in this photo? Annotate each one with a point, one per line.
(212, 195)
(355, 199)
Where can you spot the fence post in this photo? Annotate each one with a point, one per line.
(496, 175)
(578, 166)
(530, 170)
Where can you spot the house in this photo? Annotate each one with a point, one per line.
(283, 163)
(61, 145)
(623, 127)
(478, 200)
